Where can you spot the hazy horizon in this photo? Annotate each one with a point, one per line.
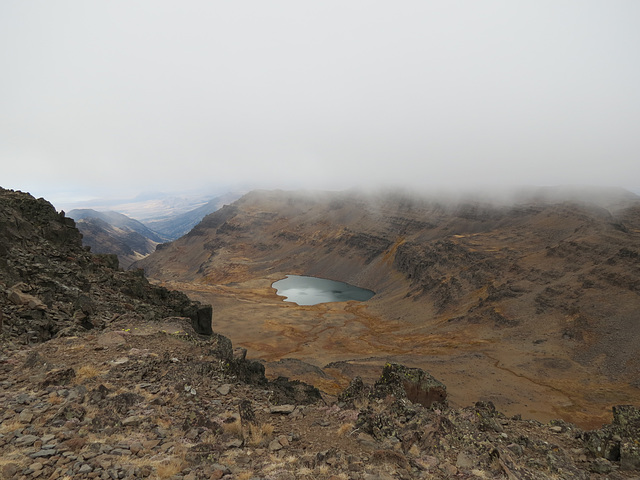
(110, 99)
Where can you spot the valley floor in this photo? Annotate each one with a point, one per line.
(355, 338)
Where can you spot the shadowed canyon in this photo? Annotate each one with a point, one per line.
(531, 302)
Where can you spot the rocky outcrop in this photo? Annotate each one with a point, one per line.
(619, 441)
(400, 382)
(51, 286)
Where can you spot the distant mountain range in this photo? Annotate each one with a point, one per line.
(164, 220)
(173, 226)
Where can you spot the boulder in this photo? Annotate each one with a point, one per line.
(618, 441)
(201, 316)
(400, 382)
(18, 297)
(414, 384)
(61, 376)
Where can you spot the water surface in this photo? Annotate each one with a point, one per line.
(312, 290)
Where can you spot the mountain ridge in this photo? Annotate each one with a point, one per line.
(115, 233)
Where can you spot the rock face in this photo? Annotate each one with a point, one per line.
(619, 441)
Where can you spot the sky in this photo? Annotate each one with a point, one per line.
(119, 97)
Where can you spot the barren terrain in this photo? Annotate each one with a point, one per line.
(532, 304)
(104, 375)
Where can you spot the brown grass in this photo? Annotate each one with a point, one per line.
(345, 429)
(162, 419)
(86, 372)
(234, 427)
(15, 456)
(172, 467)
(55, 400)
(323, 469)
(260, 433)
(143, 392)
(10, 426)
(304, 472)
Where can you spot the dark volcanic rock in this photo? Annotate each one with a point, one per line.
(400, 382)
(620, 440)
(418, 385)
(59, 377)
(60, 289)
(201, 316)
(294, 392)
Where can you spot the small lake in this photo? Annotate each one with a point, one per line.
(313, 290)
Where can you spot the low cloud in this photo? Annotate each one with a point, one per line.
(113, 98)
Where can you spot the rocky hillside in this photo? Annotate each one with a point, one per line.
(103, 375)
(52, 286)
(115, 233)
(534, 299)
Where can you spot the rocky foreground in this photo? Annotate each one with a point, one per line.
(158, 401)
(103, 375)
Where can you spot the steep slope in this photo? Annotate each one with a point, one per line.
(534, 301)
(118, 220)
(112, 232)
(52, 287)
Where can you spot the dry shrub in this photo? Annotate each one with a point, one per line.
(170, 468)
(209, 437)
(345, 428)
(86, 372)
(55, 400)
(323, 469)
(164, 422)
(244, 475)
(259, 433)
(267, 429)
(143, 392)
(234, 427)
(10, 426)
(276, 465)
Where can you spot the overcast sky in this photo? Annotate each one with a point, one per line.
(117, 97)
